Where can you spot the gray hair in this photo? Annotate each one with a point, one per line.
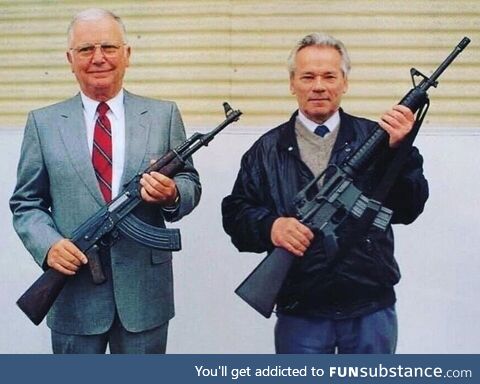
(95, 14)
(322, 40)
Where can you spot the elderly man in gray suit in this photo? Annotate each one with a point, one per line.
(75, 157)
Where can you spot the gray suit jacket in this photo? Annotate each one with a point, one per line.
(57, 190)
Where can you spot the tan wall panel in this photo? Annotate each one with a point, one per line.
(200, 53)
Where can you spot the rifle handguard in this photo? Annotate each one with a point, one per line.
(40, 296)
(261, 288)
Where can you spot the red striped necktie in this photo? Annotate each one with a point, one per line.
(102, 151)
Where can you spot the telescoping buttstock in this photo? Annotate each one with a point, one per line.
(261, 288)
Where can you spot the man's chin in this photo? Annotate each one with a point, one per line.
(101, 76)
(101, 91)
(101, 83)
(319, 116)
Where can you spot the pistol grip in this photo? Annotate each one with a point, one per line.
(331, 245)
(95, 265)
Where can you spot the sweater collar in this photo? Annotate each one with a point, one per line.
(346, 134)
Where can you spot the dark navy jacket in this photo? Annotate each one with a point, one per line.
(270, 176)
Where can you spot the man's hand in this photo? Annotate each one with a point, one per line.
(291, 234)
(65, 257)
(398, 122)
(158, 188)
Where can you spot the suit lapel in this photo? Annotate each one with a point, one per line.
(74, 137)
(137, 128)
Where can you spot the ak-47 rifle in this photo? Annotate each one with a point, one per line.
(338, 198)
(38, 299)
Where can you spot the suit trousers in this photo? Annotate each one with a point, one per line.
(118, 339)
(372, 333)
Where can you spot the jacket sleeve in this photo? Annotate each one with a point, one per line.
(247, 217)
(187, 181)
(409, 193)
(31, 201)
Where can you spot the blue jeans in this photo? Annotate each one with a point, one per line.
(372, 333)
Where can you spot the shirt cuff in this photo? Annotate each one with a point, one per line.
(172, 208)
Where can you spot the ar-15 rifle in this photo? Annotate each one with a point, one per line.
(38, 299)
(338, 198)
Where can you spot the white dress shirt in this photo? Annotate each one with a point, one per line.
(332, 123)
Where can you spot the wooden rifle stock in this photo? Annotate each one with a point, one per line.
(38, 299)
(40, 296)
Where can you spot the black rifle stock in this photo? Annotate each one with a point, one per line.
(337, 199)
(38, 299)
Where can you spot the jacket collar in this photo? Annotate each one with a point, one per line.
(72, 130)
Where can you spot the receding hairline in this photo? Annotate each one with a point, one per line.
(95, 14)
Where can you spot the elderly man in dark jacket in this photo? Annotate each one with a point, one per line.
(348, 308)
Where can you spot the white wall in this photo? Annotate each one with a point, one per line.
(437, 304)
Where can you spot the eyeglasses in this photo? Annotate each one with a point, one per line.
(108, 49)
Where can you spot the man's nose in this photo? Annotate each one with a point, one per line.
(98, 55)
(318, 84)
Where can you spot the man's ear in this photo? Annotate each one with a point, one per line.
(345, 87)
(70, 60)
(292, 89)
(128, 51)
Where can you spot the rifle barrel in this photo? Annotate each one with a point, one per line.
(40, 296)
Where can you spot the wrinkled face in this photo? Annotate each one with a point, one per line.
(100, 73)
(318, 82)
